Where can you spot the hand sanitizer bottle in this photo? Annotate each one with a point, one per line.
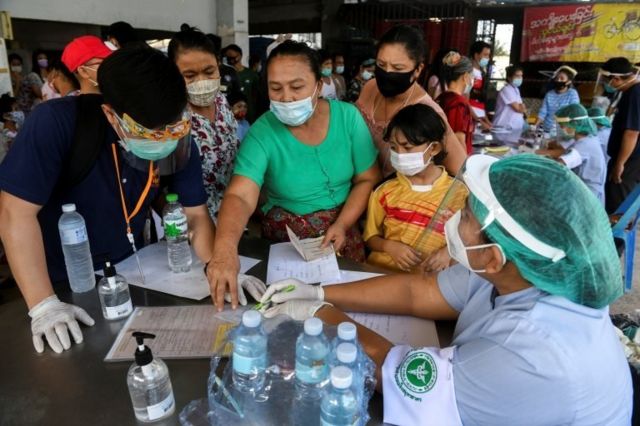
(113, 291)
(149, 384)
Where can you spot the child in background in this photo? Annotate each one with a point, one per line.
(401, 209)
(239, 107)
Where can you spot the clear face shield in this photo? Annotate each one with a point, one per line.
(169, 148)
(603, 82)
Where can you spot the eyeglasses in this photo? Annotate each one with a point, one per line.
(172, 131)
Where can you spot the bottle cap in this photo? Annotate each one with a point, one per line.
(143, 354)
(313, 326)
(251, 318)
(347, 331)
(172, 198)
(68, 208)
(109, 270)
(341, 377)
(346, 353)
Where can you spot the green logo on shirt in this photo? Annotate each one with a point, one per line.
(417, 373)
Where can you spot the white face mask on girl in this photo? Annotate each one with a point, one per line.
(457, 249)
(294, 113)
(410, 163)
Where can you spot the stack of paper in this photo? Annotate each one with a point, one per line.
(309, 248)
(286, 262)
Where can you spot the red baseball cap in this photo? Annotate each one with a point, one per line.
(82, 49)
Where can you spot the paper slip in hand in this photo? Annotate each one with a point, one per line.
(285, 262)
(309, 248)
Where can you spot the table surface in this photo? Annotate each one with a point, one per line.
(78, 387)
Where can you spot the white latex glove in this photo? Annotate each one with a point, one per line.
(277, 292)
(299, 310)
(55, 320)
(253, 285)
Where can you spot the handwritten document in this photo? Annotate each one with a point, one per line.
(153, 258)
(181, 332)
(309, 248)
(286, 262)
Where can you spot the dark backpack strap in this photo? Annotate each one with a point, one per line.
(88, 140)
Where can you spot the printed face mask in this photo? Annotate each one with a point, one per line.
(203, 92)
(409, 163)
(294, 113)
(455, 245)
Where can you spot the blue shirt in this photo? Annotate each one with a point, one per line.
(32, 168)
(532, 358)
(552, 102)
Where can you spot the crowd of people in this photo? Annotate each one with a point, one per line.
(378, 166)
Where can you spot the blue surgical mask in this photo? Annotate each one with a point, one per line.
(326, 72)
(339, 69)
(517, 82)
(484, 62)
(609, 88)
(294, 113)
(366, 75)
(150, 150)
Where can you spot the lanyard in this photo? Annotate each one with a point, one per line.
(136, 210)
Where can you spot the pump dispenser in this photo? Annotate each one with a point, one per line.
(113, 292)
(149, 383)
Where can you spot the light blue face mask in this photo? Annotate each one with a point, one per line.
(484, 62)
(151, 150)
(517, 82)
(294, 113)
(326, 72)
(609, 88)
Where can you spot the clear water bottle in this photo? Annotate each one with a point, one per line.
(176, 232)
(249, 353)
(339, 405)
(113, 292)
(75, 247)
(312, 356)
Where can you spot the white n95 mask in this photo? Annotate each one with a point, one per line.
(294, 113)
(457, 249)
(203, 92)
(409, 163)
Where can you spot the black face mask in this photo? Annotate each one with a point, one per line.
(559, 85)
(391, 84)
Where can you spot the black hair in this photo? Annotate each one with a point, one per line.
(235, 97)
(216, 40)
(123, 32)
(144, 83)
(336, 54)
(512, 70)
(302, 50)
(234, 47)
(436, 66)
(409, 37)
(254, 59)
(324, 55)
(420, 124)
(619, 65)
(6, 104)
(477, 47)
(34, 60)
(190, 38)
(15, 57)
(58, 65)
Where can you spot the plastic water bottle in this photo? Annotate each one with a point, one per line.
(346, 355)
(312, 356)
(75, 247)
(250, 353)
(339, 405)
(176, 232)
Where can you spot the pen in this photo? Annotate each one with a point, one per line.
(287, 289)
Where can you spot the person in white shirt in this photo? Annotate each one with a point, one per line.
(510, 109)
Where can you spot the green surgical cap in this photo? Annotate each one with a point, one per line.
(578, 119)
(598, 116)
(551, 203)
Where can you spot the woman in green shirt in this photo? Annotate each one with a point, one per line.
(313, 158)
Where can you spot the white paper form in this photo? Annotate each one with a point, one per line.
(181, 332)
(286, 262)
(309, 248)
(398, 329)
(153, 258)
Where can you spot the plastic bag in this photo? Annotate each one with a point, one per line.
(276, 403)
